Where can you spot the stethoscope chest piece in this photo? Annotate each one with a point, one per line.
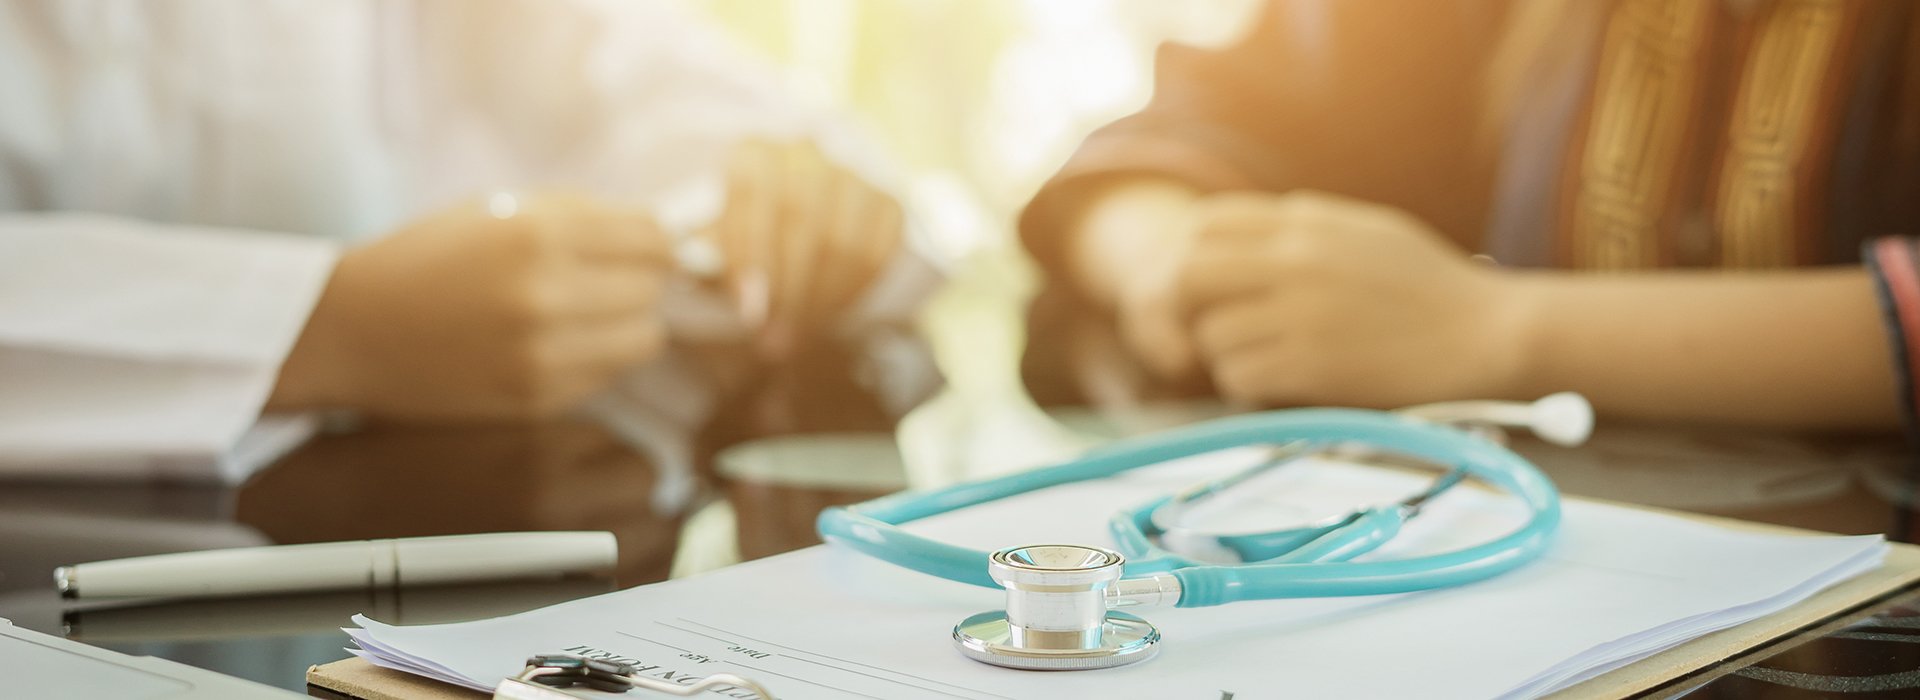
(1056, 617)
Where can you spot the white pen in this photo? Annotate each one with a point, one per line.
(412, 561)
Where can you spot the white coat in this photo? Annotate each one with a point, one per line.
(175, 177)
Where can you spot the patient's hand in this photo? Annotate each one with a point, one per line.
(803, 239)
(1308, 298)
(514, 307)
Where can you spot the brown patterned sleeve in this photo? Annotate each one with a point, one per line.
(1369, 99)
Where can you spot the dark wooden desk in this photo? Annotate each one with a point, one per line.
(396, 482)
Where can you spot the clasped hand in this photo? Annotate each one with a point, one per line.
(1308, 298)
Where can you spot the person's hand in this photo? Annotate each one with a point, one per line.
(1309, 299)
(513, 308)
(802, 239)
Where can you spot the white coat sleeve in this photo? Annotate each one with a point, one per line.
(129, 347)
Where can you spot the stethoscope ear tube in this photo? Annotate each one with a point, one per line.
(871, 527)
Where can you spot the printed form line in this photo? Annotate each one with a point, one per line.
(844, 661)
(653, 641)
(878, 678)
(697, 632)
(894, 681)
(755, 669)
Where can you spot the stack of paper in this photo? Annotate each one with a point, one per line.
(1619, 585)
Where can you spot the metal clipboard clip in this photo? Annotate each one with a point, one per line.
(547, 673)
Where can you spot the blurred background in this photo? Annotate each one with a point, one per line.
(979, 102)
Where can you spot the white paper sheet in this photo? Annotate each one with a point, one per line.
(827, 622)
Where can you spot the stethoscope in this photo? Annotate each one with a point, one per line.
(1061, 597)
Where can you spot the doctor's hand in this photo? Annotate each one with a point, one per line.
(516, 307)
(1313, 299)
(802, 237)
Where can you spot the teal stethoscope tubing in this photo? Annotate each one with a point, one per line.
(871, 527)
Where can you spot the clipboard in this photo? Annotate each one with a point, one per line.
(356, 679)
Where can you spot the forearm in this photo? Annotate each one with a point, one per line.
(1788, 349)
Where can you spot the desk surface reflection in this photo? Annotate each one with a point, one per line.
(399, 482)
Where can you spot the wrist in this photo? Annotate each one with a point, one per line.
(1523, 312)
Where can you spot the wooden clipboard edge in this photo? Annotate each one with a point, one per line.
(357, 679)
(1900, 569)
